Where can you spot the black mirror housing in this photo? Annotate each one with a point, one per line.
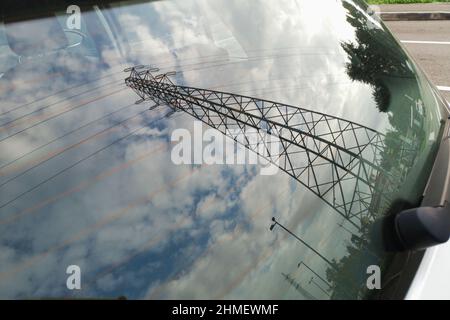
(423, 227)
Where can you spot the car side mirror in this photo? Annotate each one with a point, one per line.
(422, 227)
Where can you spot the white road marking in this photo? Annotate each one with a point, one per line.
(443, 88)
(415, 12)
(425, 42)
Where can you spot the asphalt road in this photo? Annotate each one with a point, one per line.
(429, 44)
(417, 7)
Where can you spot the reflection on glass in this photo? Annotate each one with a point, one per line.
(86, 176)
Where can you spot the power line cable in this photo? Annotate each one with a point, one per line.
(77, 163)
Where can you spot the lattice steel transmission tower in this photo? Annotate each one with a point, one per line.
(338, 160)
(296, 285)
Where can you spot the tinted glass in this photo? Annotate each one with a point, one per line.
(87, 176)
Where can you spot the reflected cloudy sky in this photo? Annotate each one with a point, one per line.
(86, 176)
